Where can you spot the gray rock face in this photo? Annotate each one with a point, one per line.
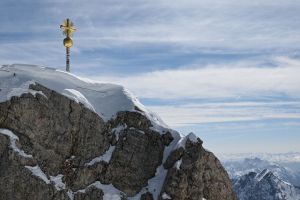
(174, 157)
(66, 151)
(198, 175)
(55, 127)
(4, 142)
(135, 160)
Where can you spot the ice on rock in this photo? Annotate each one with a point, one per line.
(105, 157)
(165, 196)
(13, 139)
(58, 183)
(36, 171)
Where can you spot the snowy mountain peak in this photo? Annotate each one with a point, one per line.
(72, 138)
(105, 99)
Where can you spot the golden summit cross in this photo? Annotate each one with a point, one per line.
(68, 29)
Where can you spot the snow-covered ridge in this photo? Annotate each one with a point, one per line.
(103, 98)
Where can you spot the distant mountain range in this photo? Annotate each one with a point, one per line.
(258, 179)
(236, 169)
(264, 186)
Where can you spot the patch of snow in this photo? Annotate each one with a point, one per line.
(13, 138)
(110, 192)
(165, 196)
(118, 129)
(140, 131)
(23, 88)
(36, 171)
(178, 164)
(70, 194)
(105, 157)
(57, 181)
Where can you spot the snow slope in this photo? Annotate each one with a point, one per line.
(103, 98)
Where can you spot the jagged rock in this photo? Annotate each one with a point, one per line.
(63, 136)
(135, 159)
(215, 177)
(173, 157)
(87, 175)
(200, 175)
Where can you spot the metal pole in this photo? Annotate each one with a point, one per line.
(67, 59)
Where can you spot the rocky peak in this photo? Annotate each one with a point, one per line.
(69, 139)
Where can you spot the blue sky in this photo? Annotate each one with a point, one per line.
(227, 70)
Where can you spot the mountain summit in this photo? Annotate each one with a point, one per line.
(63, 137)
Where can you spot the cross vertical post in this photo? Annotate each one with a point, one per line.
(67, 59)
